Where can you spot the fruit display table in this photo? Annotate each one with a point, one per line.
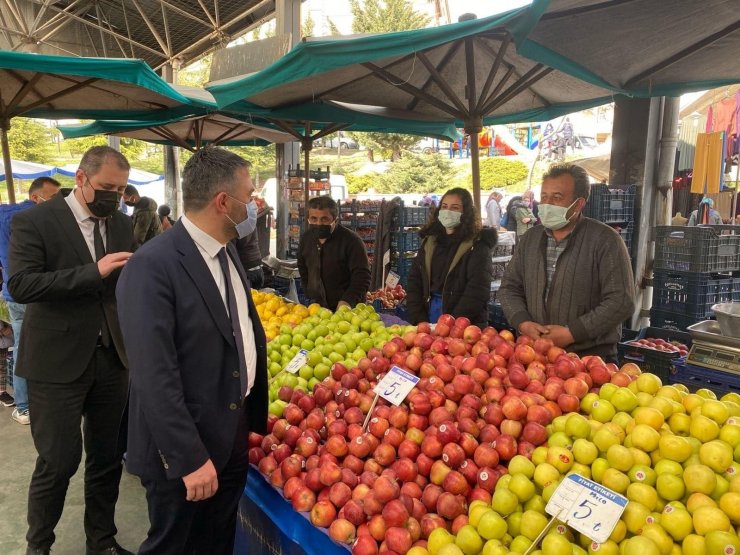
(266, 523)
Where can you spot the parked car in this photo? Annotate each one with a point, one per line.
(340, 140)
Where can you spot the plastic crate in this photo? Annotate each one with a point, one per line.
(626, 233)
(690, 294)
(496, 317)
(697, 249)
(611, 204)
(735, 289)
(669, 320)
(411, 216)
(402, 265)
(698, 377)
(405, 241)
(659, 363)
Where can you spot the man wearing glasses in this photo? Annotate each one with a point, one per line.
(332, 259)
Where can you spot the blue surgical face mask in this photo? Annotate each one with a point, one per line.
(248, 224)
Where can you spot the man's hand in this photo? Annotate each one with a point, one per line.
(560, 335)
(201, 484)
(343, 303)
(532, 329)
(111, 262)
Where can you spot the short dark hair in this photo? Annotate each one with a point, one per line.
(131, 191)
(164, 211)
(582, 186)
(39, 183)
(324, 202)
(95, 157)
(209, 171)
(470, 224)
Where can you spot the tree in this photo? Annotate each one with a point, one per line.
(78, 147)
(378, 16)
(307, 28)
(333, 29)
(197, 73)
(30, 140)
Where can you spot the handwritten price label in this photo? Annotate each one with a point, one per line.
(297, 361)
(396, 385)
(587, 507)
(392, 279)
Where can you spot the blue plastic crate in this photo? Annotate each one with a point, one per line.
(697, 249)
(405, 241)
(611, 204)
(496, 317)
(698, 377)
(659, 363)
(666, 319)
(690, 294)
(411, 216)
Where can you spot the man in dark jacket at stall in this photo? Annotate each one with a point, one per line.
(570, 279)
(145, 217)
(332, 259)
(248, 248)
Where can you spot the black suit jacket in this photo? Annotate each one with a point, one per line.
(53, 272)
(184, 404)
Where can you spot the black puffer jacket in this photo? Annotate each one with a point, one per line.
(467, 287)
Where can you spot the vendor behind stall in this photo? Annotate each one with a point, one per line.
(570, 279)
(706, 214)
(332, 259)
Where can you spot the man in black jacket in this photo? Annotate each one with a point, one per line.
(332, 259)
(145, 217)
(65, 258)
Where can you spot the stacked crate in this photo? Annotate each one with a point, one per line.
(405, 240)
(614, 205)
(361, 216)
(693, 270)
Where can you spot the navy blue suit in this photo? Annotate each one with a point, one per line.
(184, 405)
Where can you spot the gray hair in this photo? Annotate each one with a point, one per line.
(95, 157)
(209, 171)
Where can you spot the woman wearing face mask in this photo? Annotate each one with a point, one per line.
(247, 245)
(452, 271)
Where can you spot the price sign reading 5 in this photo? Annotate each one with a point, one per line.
(587, 507)
(396, 385)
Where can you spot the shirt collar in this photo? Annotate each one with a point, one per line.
(78, 210)
(210, 245)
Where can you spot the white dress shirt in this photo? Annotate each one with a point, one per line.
(86, 223)
(209, 249)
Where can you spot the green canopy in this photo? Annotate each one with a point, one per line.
(56, 87)
(468, 73)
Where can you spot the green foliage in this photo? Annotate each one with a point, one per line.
(499, 171)
(77, 147)
(333, 29)
(196, 74)
(361, 183)
(30, 141)
(378, 16)
(389, 146)
(307, 27)
(416, 174)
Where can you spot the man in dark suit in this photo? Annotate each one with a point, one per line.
(65, 258)
(197, 354)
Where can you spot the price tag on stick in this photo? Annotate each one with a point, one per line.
(396, 385)
(587, 507)
(392, 279)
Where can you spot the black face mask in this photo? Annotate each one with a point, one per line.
(104, 203)
(322, 230)
(129, 203)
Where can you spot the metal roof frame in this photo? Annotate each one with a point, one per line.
(160, 32)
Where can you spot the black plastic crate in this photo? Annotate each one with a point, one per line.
(698, 377)
(691, 294)
(402, 265)
(611, 204)
(405, 241)
(697, 249)
(496, 317)
(659, 363)
(669, 320)
(626, 233)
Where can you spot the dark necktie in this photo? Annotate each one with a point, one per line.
(236, 327)
(100, 253)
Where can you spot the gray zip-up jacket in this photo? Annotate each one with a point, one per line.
(592, 290)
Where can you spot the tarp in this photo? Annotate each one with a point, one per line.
(641, 47)
(28, 170)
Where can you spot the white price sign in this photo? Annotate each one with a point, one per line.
(396, 385)
(587, 507)
(297, 362)
(392, 279)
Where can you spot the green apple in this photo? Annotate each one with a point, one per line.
(468, 540)
(584, 451)
(504, 502)
(521, 486)
(533, 522)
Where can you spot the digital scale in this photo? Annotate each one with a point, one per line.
(711, 349)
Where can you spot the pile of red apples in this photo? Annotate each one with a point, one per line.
(482, 398)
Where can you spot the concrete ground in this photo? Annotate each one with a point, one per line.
(17, 459)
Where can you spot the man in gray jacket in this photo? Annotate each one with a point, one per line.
(570, 279)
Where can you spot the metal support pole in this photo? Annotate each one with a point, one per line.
(667, 160)
(114, 142)
(172, 186)
(4, 128)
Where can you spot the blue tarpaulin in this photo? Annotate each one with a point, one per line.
(28, 170)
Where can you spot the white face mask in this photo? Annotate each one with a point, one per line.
(554, 217)
(449, 218)
(248, 224)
